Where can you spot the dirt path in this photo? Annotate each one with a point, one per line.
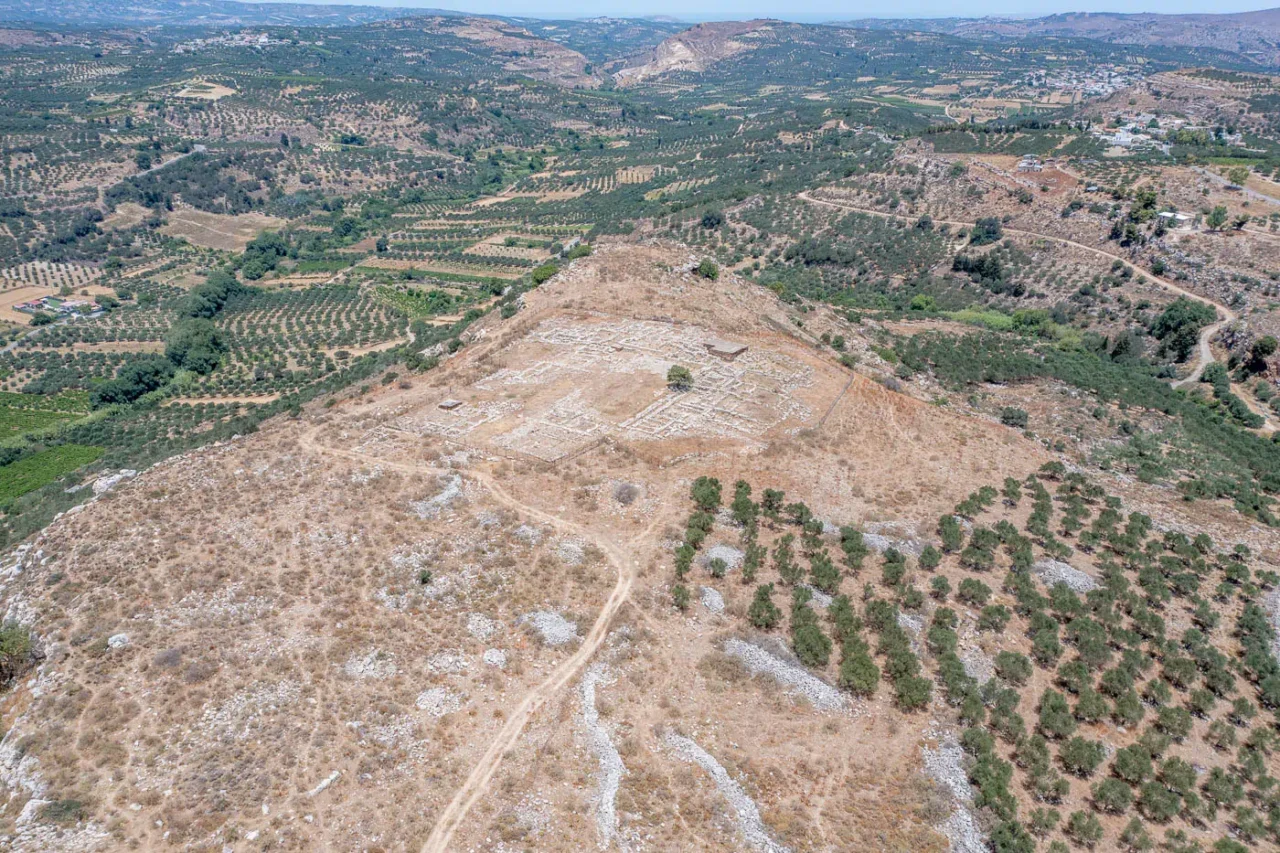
(258, 399)
(477, 782)
(1205, 355)
(1247, 192)
(1254, 406)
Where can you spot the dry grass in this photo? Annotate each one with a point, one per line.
(216, 230)
(279, 629)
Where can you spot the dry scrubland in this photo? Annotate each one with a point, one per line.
(244, 652)
(434, 596)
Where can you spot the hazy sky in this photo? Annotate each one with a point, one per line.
(813, 10)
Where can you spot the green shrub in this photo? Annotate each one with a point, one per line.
(543, 273)
(17, 652)
(1013, 417)
(763, 613)
(1013, 667)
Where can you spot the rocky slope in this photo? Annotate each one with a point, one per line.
(695, 49)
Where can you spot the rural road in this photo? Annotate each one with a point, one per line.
(1204, 354)
(1253, 195)
(198, 149)
(477, 782)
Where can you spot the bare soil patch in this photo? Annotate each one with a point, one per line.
(216, 230)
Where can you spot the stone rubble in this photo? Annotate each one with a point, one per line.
(611, 767)
(745, 811)
(978, 665)
(448, 663)
(879, 543)
(819, 598)
(794, 678)
(1272, 603)
(712, 600)
(373, 665)
(432, 506)
(106, 483)
(438, 701)
(945, 765)
(554, 629)
(1054, 572)
(482, 627)
(731, 556)
(570, 552)
(325, 783)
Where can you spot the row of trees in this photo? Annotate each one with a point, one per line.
(1110, 654)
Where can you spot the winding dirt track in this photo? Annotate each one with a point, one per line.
(1204, 354)
(477, 782)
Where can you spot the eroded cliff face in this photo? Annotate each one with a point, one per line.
(696, 49)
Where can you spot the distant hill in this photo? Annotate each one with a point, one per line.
(696, 49)
(1255, 35)
(600, 40)
(196, 13)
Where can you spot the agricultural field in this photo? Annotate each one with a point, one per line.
(39, 469)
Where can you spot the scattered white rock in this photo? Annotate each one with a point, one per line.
(554, 629)
(325, 783)
(243, 715)
(1272, 602)
(366, 476)
(913, 625)
(731, 556)
(438, 701)
(431, 507)
(482, 627)
(880, 544)
(1054, 572)
(117, 641)
(744, 809)
(946, 765)
(448, 663)
(818, 598)
(978, 665)
(495, 657)
(793, 677)
(533, 813)
(375, 665)
(879, 537)
(106, 483)
(529, 534)
(570, 552)
(611, 767)
(712, 600)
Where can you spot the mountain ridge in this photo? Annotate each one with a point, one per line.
(1253, 34)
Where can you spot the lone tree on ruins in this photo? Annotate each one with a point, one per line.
(679, 378)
